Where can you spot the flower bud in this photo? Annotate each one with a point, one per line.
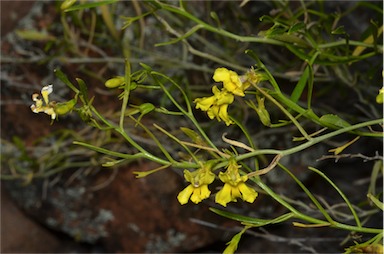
(145, 108)
(115, 82)
(262, 112)
(64, 108)
(66, 4)
(379, 97)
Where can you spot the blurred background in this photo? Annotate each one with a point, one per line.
(56, 197)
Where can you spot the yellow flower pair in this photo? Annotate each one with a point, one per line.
(217, 105)
(234, 186)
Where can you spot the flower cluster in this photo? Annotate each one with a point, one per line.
(50, 108)
(234, 185)
(217, 105)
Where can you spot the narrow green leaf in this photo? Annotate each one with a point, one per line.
(376, 170)
(299, 88)
(194, 136)
(250, 220)
(232, 245)
(358, 223)
(60, 75)
(339, 30)
(309, 194)
(113, 163)
(109, 152)
(89, 5)
(266, 18)
(296, 27)
(33, 35)
(215, 18)
(83, 90)
(186, 35)
(275, 30)
(377, 202)
(286, 37)
(146, 67)
(334, 121)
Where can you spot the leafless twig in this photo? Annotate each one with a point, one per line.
(359, 155)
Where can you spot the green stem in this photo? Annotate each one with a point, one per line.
(127, 89)
(343, 42)
(358, 223)
(188, 113)
(305, 145)
(225, 33)
(236, 37)
(178, 141)
(153, 137)
(309, 194)
(310, 219)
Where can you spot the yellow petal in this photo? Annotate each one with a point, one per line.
(224, 97)
(184, 195)
(234, 84)
(204, 103)
(51, 112)
(236, 193)
(188, 176)
(213, 112)
(221, 74)
(224, 196)
(233, 88)
(224, 177)
(205, 192)
(223, 114)
(35, 97)
(45, 91)
(248, 194)
(200, 193)
(215, 90)
(36, 109)
(207, 178)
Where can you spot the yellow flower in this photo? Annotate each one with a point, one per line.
(216, 105)
(230, 79)
(198, 189)
(221, 114)
(45, 107)
(51, 108)
(234, 186)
